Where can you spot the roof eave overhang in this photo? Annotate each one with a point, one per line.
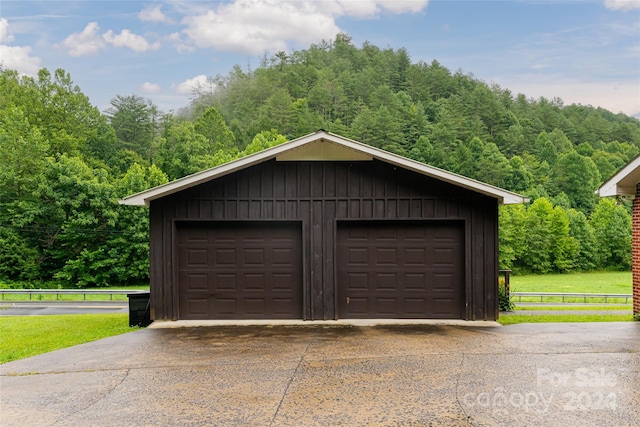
(624, 182)
(144, 198)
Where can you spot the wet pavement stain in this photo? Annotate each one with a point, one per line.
(391, 375)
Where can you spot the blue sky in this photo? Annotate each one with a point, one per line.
(585, 52)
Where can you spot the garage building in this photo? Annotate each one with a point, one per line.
(323, 228)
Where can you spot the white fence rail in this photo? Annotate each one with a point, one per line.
(564, 296)
(58, 292)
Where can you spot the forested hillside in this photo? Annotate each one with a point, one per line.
(64, 164)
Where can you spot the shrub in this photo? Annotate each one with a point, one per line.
(504, 297)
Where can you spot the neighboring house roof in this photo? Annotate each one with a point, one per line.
(624, 182)
(320, 146)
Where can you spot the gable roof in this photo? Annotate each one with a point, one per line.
(318, 146)
(624, 182)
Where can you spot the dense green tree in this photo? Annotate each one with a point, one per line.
(277, 112)
(78, 212)
(607, 163)
(363, 127)
(537, 256)
(545, 149)
(305, 121)
(612, 230)
(565, 248)
(511, 235)
(578, 177)
(520, 178)
(212, 126)
(134, 120)
(23, 152)
(417, 124)
(548, 244)
(55, 106)
(19, 258)
(582, 232)
(560, 141)
(125, 255)
(184, 151)
(63, 164)
(264, 140)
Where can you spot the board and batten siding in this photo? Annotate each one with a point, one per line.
(319, 194)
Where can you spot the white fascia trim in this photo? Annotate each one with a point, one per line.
(613, 188)
(145, 197)
(504, 196)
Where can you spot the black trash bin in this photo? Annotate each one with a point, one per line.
(139, 310)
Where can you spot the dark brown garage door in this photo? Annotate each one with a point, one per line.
(239, 270)
(400, 270)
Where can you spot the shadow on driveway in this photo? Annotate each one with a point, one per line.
(585, 374)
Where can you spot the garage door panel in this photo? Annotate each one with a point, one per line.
(197, 257)
(254, 257)
(196, 281)
(386, 306)
(415, 257)
(283, 282)
(282, 257)
(359, 306)
(415, 306)
(442, 282)
(443, 307)
(282, 306)
(224, 282)
(252, 270)
(415, 282)
(192, 236)
(400, 269)
(387, 281)
(254, 282)
(199, 307)
(255, 306)
(357, 281)
(225, 257)
(386, 256)
(223, 307)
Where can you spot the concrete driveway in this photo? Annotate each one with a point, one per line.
(585, 374)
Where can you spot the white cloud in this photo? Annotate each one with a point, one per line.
(258, 26)
(128, 39)
(179, 43)
(89, 41)
(5, 36)
(153, 14)
(187, 87)
(86, 42)
(150, 88)
(373, 8)
(18, 58)
(622, 4)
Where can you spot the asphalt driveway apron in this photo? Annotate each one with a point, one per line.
(585, 374)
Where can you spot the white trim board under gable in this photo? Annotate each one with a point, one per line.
(624, 182)
(318, 146)
(322, 150)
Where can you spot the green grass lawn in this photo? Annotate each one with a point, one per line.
(570, 307)
(609, 282)
(25, 336)
(563, 318)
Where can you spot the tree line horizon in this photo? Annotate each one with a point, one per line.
(64, 164)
